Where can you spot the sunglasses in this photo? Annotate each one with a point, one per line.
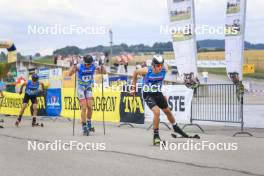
(158, 65)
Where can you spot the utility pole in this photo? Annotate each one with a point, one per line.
(111, 43)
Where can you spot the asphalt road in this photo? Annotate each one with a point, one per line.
(126, 151)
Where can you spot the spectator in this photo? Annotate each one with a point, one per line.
(10, 86)
(125, 65)
(55, 60)
(205, 77)
(143, 64)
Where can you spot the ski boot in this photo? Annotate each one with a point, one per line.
(90, 127)
(18, 120)
(35, 124)
(156, 137)
(85, 131)
(17, 123)
(178, 130)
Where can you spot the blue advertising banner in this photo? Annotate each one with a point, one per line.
(2, 86)
(53, 102)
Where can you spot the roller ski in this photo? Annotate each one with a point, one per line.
(17, 123)
(85, 130)
(196, 136)
(1, 121)
(178, 130)
(90, 127)
(156, 138)
(35, 124)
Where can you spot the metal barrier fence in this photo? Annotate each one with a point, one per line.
(1, 120)
(218, 103)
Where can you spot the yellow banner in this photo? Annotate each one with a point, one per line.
(110, 102)
(11, 56)
(11, 104)
(68, 81)
(248, 68)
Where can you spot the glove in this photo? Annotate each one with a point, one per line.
(75, 62)
(133, 91)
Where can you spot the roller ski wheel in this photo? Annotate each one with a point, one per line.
(196, 136)
(37, 125)
(86, 133)
(157, 140)
(17, 123)
(92, 129)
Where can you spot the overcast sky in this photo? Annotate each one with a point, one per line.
(132, 21)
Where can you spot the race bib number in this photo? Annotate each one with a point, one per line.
(86, 78)
(32, 92)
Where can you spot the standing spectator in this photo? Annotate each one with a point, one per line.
(125, 65)
(10, 86)
(55, 60)
(205, 77)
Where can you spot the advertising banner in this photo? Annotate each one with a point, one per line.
(179, 99)
(109, 103)
(182, 29)
(53, 102)
(132, 108)
(234, 36)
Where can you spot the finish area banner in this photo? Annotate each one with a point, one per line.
(182, 25)
(234, 36)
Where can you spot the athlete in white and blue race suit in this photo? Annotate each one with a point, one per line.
(85, 80)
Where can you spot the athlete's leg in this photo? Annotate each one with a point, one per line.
(34, 105)
(25, 103)
(83, 104)
(24, 106)
(83, 117)
(89, 109)
(171, 119)
(162, 103)
(156, 118)
(169, 115)
(83, 110)
(89, 113)
(152, 104)
(156, 121)
(35, 112)
(21, 112)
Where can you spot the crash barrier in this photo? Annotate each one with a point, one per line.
(118, 106)
(218, 103)
(11, 104)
